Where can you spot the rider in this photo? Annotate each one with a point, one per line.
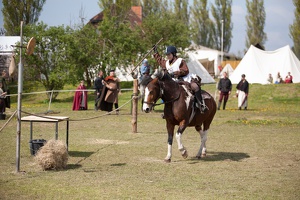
(178, 69)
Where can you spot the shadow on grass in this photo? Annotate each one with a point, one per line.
(80, 153)
(73, 166)
(222, 156)
(118, 164)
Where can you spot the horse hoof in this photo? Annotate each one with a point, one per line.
(185, 154)
(167, 160)
(198, 157)
(203, 155)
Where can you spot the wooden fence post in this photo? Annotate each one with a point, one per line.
(134, 106)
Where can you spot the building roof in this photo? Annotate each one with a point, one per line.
(134, 16)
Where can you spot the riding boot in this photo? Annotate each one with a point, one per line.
(200, 101)
(224, 105)
(219, 105)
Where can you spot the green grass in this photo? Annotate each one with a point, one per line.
(253, 154)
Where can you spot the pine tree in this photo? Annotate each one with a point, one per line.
(201, 24)
(15, 11)
(255, 23)
(222, 14)
(295, 29)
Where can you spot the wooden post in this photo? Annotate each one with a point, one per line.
(134, 106)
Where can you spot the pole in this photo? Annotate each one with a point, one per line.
(146, 55)
(134, 106)
(20, 88)
(222, 40)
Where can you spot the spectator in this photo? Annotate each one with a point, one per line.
(109, 96)
(289, 78)
(242, 93)
(224, 87)
(2, 99)
(5, 88)
(144, 69)
(98, 87)
(278, 79)
(270, 79)
(80, 97)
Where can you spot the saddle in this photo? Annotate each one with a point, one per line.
(204, 94)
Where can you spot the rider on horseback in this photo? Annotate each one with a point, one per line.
(179, 70)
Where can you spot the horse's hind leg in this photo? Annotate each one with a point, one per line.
(202, 150)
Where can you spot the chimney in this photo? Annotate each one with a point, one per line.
(137, 10)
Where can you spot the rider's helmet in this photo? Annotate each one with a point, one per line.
(171, 49)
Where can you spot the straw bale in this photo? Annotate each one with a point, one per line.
(53, 155)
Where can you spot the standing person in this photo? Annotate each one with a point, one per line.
(80, 97)
(98, 86)
(224, 87)
(5, 88)
(242, 93)
(179, 70)
(2, 98)
(109, 96)
(289, 78)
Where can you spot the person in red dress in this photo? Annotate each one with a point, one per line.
(80, 97)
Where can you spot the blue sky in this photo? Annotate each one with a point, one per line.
(279, 16)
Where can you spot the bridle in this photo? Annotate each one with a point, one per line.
(161, 92)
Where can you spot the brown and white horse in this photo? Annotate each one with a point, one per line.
(179, 110)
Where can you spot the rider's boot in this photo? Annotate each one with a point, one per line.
(200, 101)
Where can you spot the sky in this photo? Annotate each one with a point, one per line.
(279, 16)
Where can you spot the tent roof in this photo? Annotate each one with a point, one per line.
(227, 69)
(258, 64)
(197, 68)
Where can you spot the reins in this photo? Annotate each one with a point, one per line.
(170, 101)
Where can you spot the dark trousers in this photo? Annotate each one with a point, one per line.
(224, 95)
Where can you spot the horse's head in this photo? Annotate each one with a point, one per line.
(151, 95)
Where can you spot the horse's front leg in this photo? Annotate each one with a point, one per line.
(181, 148)
(170, 128)
(202, 150)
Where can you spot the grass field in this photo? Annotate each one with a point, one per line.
(253, 154)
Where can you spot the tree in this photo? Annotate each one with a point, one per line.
(295, 29)
(49, 62)
(173, 31)
(181, 10)
(201, 24)
(222, 11)
(255, 23)
(84, 53)
(15, 11)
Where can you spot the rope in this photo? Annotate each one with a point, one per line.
(8, 120)
(108, 113)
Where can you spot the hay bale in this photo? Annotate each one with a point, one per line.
(53, 155)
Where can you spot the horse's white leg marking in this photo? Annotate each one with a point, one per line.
(178, 138)
(169, 155)
(180, 145)
(203, 137)
(146, 94)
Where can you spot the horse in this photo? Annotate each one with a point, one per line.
(179, 109)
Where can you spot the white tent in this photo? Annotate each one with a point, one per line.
(124, 74)
(258, 64)
(228, 69)
(197, 68)
(209, 58)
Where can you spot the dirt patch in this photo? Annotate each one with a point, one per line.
(104, 141)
